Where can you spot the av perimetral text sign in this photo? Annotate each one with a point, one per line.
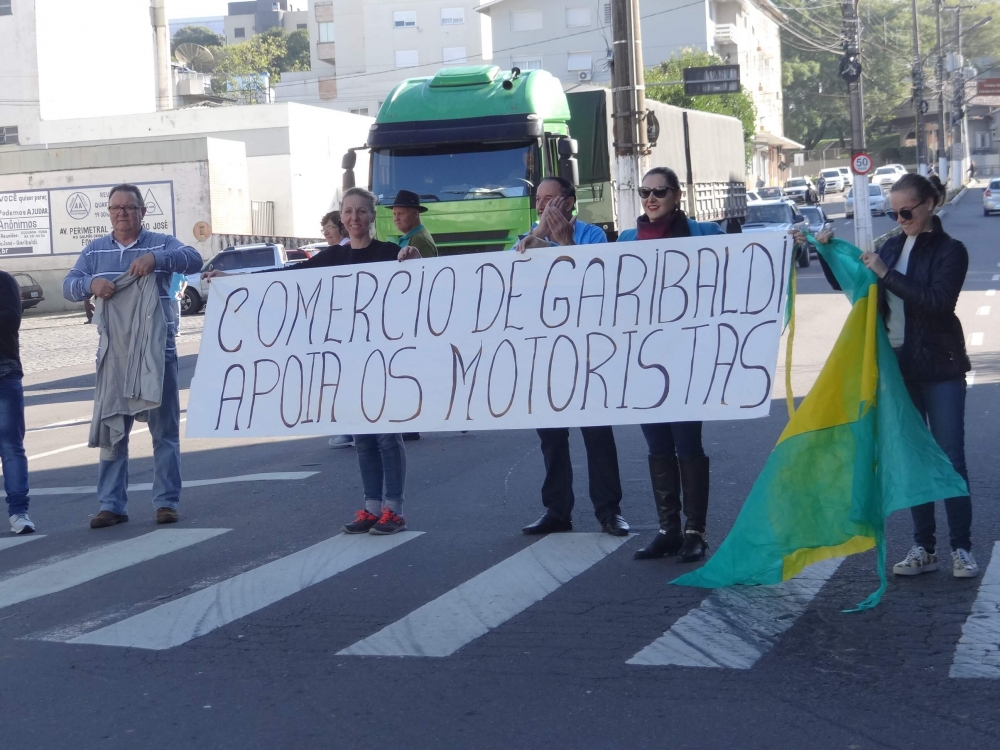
(652, 331)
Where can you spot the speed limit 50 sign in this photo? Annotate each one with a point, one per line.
(862, 163)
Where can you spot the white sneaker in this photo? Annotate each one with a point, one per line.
(963, 564)
(342, 441)
(918, 560)
(21, 524)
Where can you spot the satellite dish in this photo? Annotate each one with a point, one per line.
(189, 54)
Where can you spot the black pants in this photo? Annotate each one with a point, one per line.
(602, 471)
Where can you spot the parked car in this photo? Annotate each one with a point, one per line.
(835, 181)
(770, 194)
(801, 190)
(233, 260)
(877, 202)
(991, 197)
(777, 216)
(31, 290)
(752, 197)
(305, 252)
(886, 177)
(846, 171)
(818, 221)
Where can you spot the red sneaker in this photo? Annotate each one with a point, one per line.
(388, 523)
(362, 523)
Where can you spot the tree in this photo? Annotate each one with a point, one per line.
(296, 54)
(239, 72)
(739, 105)
(203, 36)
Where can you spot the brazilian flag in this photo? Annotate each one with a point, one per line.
(855, 451)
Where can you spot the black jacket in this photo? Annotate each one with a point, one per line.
(10, 323)
(934, 343)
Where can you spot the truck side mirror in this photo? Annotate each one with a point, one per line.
(347, 164)
(569, 168)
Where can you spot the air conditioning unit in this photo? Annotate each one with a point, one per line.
(585, 75)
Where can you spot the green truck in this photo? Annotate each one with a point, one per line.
(474, 141)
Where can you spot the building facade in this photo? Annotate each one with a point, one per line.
(50, 64)
(256, 16)
(360, 51)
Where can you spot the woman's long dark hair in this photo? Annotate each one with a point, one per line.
(924, 188)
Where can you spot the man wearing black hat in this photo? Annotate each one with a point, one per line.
(406, 210)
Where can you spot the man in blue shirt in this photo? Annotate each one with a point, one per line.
(555, 199)
(133, 249)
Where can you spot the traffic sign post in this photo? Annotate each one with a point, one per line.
(862, 163)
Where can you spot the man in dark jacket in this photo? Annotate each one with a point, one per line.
(15, 464)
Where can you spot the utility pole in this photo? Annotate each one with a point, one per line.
(161, 34)
(850, 71)
(942, 140)
(629, 101)
(958, 106)
(918, 97)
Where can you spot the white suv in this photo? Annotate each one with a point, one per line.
(991, 197)
(835, 180)
(232, 260)
(885, 177)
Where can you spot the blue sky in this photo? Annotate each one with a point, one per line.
(196, 8)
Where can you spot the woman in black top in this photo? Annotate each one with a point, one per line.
(921, 272)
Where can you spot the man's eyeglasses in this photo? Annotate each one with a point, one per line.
(659, 192)
(122, 209)
(906, 213)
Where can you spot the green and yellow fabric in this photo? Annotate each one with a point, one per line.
(855, 451)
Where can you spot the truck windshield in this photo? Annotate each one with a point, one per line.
(768, 215)
(456, 172)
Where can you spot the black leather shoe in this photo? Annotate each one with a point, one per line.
(615, 525)
(694, 548)
(547, 525)
(663, 544)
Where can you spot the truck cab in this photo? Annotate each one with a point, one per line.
(473, 142)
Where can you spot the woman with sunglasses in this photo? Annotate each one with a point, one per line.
(676, 457)
(921, 272)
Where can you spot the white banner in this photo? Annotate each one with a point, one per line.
(654, 331)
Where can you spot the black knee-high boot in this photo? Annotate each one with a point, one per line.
(666, 479)
(694, 481)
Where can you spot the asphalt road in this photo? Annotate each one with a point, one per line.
(251, 624)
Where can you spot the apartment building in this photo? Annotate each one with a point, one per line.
(255, 16)
(360, 51)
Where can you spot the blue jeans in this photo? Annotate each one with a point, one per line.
(668, 438)
(164, 428)
(15, 464)
(382, 460)
(942, 405)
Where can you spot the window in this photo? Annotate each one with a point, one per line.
(5, 9)
(240, 32)
(527, 63)
(453, 55)
(580, 61)
(404, 19)
(607, 14)
(577, 17)
(228, 261)
(8, 135)
(301, 26)
(452, 16)
(982, 140)
(258, 258)
(360, 111)
(326, 32)
(407, 58)
(526, 20)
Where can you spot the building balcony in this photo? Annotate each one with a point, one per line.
(326, 51)
(727, 33)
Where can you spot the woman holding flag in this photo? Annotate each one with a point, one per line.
(677, 461)
(921, 272)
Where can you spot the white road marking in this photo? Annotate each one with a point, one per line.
(976, 340)
(84, 445)
(978, 651)
(984, 310)
(991, 292)
(970, 378)
(736, 626)
(12, 541)
(78, 569)
(177, 622)
(274, 476)
(443, 626)
(996, 277)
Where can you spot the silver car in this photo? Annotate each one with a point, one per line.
(991, 197)
(777, 216)
(878, 204)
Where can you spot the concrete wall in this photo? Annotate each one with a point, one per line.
(19, 63)
(204, 178)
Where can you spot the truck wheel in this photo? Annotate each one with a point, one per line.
(803, 260)
(191, 302)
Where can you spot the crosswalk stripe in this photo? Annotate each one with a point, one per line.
(443, 626)
(179, 621)
(13, 541)
(978, 651)
(72, 571)
(274, 476)
(736, 626)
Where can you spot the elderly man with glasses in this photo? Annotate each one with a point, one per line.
(133, 250)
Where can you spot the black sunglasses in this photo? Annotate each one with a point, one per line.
(906, 213)
(659, 192)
